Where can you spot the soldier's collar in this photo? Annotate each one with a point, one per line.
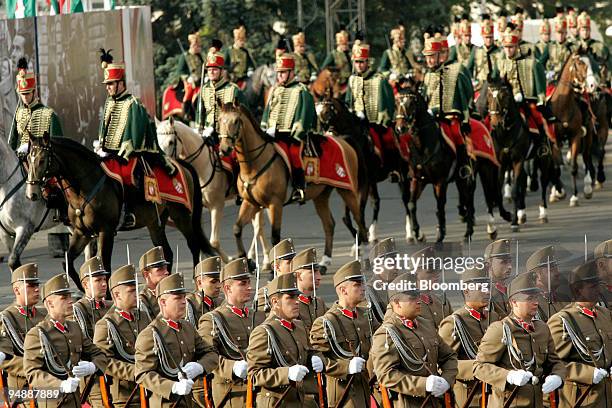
(173, 324)
(527, 326)
(129, 316)
(35, 102)
(426, 298)
(122, 95)
(31, 310)
(351, 314)
(501, 287)
(411, 324)
(475, 313)
(219, 83)
(305, 299)
(206, 299)
(97, 304)
(286, 324)
(367, 73)
(238, 311)
(62, 328)
(590, 312)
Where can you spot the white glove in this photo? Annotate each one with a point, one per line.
(599, 374)
(317, 364)
(591, 82)
(83, 369)
(271, 131)
(360, 114)
(69, 385)
(319, 108)
(430, 112)
(297, 372)
(550, 75)
(240, 369)
(356, 365)
(551, 383)
(208, 131)
(182, 387)
(436, 385)
(23, 148)
(2, 357)
(518, 98)
(249, 72)
(313, 77)
(193, 369)
(191, 81)
(518, 377)
(392, 76)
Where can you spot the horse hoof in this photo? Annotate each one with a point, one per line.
(561, 195)
(410, 240)
(422, 238)
(493, 235)
(522, 217)
(543, 220)
(508, 192)
(598, 185)
(514, 228)
(574, 201)
(588, 196)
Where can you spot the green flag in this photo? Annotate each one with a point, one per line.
(20, 8)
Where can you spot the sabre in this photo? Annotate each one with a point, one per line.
(201, 284)
(25, 291)
(356, 247)
(585, 248)
(256, 297)
(549, 289)
(93, 302)
(273, 261)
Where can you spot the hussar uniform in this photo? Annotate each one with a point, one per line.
(377, 300)
(227, 329)
(148, 299)
(340, 58)
(581, 335)
(433, 307)
(463, 51)
(398, 61)
(33, 120)
(86, 311)
(482, 59)
(603, 255)
(306, 67)
(115, 335)
(164, 347)
(15, 321)
(242, 63)
(340, 335)
(597, 51)
(462, 331)
(189, 65)
(213, 96)
(198, 302)
(525, 348)
(558, 52)
(274, 347)
(554, 298)
(499, 290)
(526, 48)
(311, 307)
(53, 349)
(406, 352)
(541, 45)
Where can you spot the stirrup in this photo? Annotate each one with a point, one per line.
(128, 220)
(298, 195)
(465, 171)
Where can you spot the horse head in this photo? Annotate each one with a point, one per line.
(230, 127)
(39, 165)
(408, 102)
(499, 100)
(328, 109)
(577, 72)
(168, 139)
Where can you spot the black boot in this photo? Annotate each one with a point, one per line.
(299, 185)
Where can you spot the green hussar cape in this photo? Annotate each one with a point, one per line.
(525, 72)
(223, 91)
(371, 94)
(555, 58)
(126, 127)
(341, 61)
(305, 66)
(239, 61)
(35, 120)
(457, 92)
(542, 48)
(597, 52)
(290, 109)
(190, 65)
(527, 47)
(463, 53)
(396, 60)
(478, 65)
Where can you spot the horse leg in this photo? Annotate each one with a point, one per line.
(574, 148)
(321, 203)
(157, 232)
(404, 186)
(415, 192)
(352, 202)
(587, 158)
(106, 243)
(440, 195)
(216, 220)
(488, 179)
(506, 184)
(466, 193)
(259, 224)
(245, 215)
(547, 169)
(23, 233)
(78, 242)
(519, 176)
(372, 230)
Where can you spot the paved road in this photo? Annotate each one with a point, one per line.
(567, 227)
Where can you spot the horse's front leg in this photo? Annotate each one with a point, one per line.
(321, 203)
(440, 194)
(416, 188)
(245, 215)
(375, 196)
(216, 220)
(105, 243)
(78, 242)
(404, 186)
(574, 149)
(547, 169)
(23, 233)
(519, 189)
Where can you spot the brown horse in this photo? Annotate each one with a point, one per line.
(95, 201)
(264, 180)
(327, 84)
(564, 104)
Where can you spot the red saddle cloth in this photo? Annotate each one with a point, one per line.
(384, 142)
(169, 188)
(550, 88)
(535, 119)
(329, 168)
(171, 105)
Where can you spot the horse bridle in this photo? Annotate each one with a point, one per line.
(332, 108)
(237, 136)
(35, 179)
(408, 120)
(576, 84)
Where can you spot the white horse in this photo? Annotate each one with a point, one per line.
(179, 141)
(19, 217)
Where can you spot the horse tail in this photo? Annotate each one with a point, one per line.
(196, 216)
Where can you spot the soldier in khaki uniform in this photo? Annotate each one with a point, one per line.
(57, 355)
(344, 336)
(308, 277)
(91, 307)
(498, 262)
(227, 329)
(154, 268)
(554, 294)
(280, 360)
(306, 67)
(115, 334)
(413, 364)
(16, 320)
(581, 333)
(433, 307)
(603, 256)
(170, 355)
(463, 330)
(205, 297)
(383, 271)
(517, 354)
(281, 255)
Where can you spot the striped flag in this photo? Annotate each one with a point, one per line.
(20, 8)
(65, 6)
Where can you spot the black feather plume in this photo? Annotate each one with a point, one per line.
(105, 56)
(216, 43)
(22, 64)
(359, 35)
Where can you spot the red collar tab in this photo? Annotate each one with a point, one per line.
(126, 315)
(98, 304)
(475, 313)
(425, 298)
(501, 287)
(592, 313)
(239, 312)
(208, 301)
(172, 324)
(305, 299)
(349, 313)
(59, 326)
(528, 326)
(30, 312)
(411, 324)
(286, 324)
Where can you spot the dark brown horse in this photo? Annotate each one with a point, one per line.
(264, 179)
(571, 127)
(95, 201)
(327, 84)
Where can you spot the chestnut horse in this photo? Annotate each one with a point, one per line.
(264, 180)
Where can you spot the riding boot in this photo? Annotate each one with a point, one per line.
(299, 185)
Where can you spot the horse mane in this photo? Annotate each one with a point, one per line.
(76, 147)
(230, 107)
